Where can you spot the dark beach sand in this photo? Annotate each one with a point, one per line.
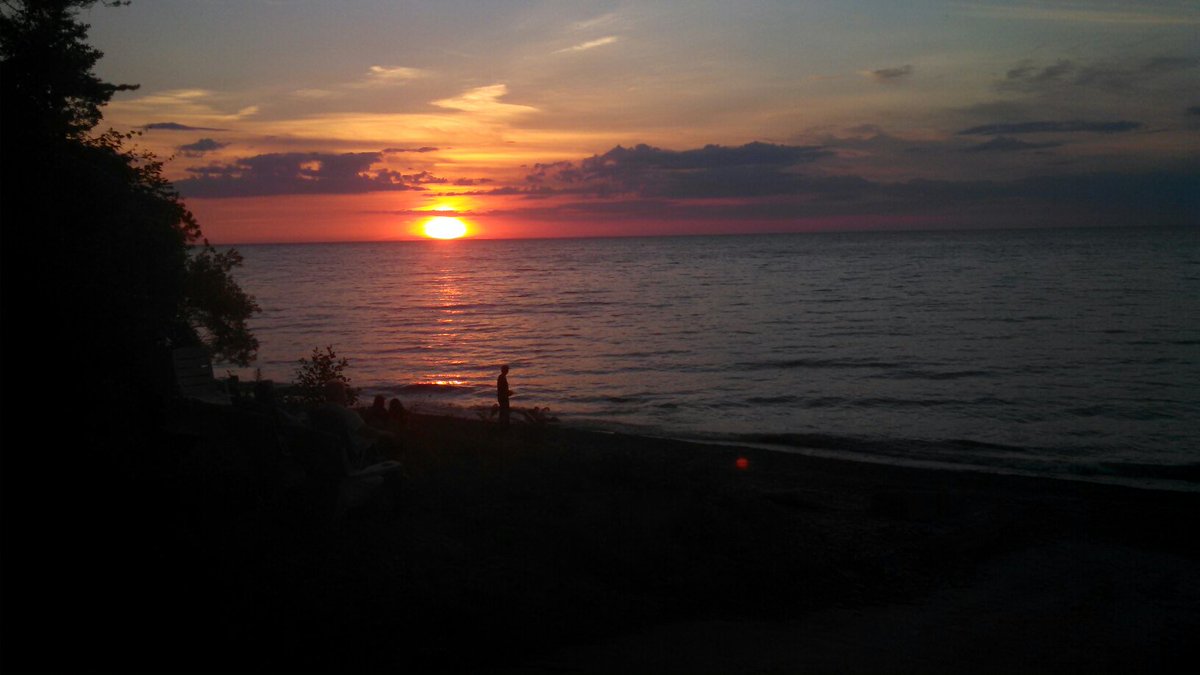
(555, 550)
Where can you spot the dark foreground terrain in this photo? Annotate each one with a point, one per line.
(553, 550)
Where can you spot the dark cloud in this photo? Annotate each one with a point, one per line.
(425, 212)
(780, 183)
(1118, 77)
(714, 170)
(1068, 126)
(1194, 110)
(1027, 74)
(420, 178)
(502, 191)
(421, 149)
(890, 74)
(873, 141)
(562, 172)
(299, 173)
(175, 126)
(201, 146)
(708, 157)
(1006, 144)
(214, 171)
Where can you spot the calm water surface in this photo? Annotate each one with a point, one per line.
(1065, 352)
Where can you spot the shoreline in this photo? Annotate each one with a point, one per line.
(863, 463)
(1165, 485)
(546, 548)
(1166, 477)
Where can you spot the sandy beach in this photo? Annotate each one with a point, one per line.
(546, 549)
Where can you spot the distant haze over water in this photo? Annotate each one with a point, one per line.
(1065, 352)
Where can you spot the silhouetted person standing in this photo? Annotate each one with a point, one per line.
(502, 394)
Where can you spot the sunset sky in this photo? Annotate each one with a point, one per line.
(330, 121)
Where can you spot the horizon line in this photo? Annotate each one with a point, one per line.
(898, 230)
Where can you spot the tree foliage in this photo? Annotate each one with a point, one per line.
(313, 375)
(217, 306)
(104, 266)
(50, 88)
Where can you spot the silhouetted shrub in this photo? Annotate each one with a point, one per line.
(313, 375)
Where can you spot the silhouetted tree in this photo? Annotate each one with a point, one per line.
(103, 270)
(50, 89)
(104, 266)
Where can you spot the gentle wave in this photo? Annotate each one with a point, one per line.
(815, 363)
(1067, 347)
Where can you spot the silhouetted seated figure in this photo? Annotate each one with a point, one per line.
(396, 415)
(368, 443)
(377, 414)
(347, 464)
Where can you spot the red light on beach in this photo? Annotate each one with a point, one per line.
(742, 463)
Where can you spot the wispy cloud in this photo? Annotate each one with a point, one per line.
(175, 96)
(376, 77)
(1067, 126)
(595, 22)
(395, 72)
(314, 93)
(387, 76)
(889, 74)
(196, 108)
(485, 101)
(590, 44)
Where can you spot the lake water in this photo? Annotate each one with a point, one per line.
(1065, 352)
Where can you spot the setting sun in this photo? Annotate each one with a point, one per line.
(445, 227)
